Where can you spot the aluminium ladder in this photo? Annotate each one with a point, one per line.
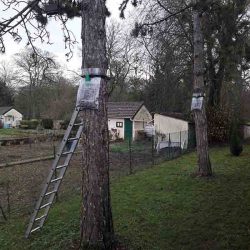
(57, 172)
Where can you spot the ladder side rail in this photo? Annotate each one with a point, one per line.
(41, 197)
(55, 162)
(62, 173)
(58, 155)
(57, 185)
(68, 131)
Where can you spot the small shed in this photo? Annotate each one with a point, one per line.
(174, 128)
(10, 117)
(127, 119)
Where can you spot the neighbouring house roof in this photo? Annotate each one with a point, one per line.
(176, 115)
(4, 110)
(123, 110)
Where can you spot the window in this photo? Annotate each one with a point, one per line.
(119, 124)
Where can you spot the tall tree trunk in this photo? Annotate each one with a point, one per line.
(200, 115)
(96, 217)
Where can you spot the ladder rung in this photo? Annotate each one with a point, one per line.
(49, 193)
(46, 199)
(45, 205)
(62, 166)
(73, 139)
(57, 179)
(35, 229)
(78, 124)
(67, 153)
(39, 218)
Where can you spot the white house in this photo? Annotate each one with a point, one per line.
(127, 119)
(10, 117)
(173, 129)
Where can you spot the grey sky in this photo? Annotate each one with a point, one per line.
(56, 37)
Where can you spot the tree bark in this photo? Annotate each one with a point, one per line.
(96, 215)
(204, 165)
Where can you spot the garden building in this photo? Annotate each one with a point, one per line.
(126, 120)
(10, 117)
(174, 128)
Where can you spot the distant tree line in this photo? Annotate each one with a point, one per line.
(35, 85)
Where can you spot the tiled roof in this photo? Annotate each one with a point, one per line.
(3, 110)
(123, 109)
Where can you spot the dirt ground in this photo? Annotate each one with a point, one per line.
(21, 185)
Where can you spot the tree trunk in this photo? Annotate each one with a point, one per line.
(200, 115)
(96, 215)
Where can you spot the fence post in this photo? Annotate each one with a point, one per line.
(130, 156)
(55, 175)
(180, 143)
(153, 153)
(54, 151)
(8, 196)
(30, 142)
(169, 146)
(2, 211)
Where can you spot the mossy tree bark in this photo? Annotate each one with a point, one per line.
(204, 164)
(96, 217)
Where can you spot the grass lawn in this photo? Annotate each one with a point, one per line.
(161, 208)
(123, 147)
(12, 132)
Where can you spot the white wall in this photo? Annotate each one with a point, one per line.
(246, 131)
(13, 117)
(112, 125)
(175, 127)
(140, 120)
(143, 115)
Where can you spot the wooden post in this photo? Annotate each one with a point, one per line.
(54, 150)
(130, 156)
(152, 148)
(8, 197)
(180, 143)
(169, 146)
(2, 211)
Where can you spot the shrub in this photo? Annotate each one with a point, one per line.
(47, 123)
(29, 124)
(218, 122)
(64, 124)
(1, 124)
(33, 123)
(235, 140)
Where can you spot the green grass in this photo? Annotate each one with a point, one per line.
(12, 132)
(161, 208)
(123, 147)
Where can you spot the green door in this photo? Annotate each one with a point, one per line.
(128, 129)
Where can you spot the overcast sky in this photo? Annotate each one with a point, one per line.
(58, 47)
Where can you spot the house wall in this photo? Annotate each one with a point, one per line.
(246, 131)
(12, 118)
(140, 120)
(112, 127)
(178, 129)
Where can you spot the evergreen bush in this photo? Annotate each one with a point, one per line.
(64, 124)
(218, 122)
(29, 124)
(47, 123)
(33, 123)
(235, 140)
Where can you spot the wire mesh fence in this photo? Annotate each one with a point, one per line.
(21, 184)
